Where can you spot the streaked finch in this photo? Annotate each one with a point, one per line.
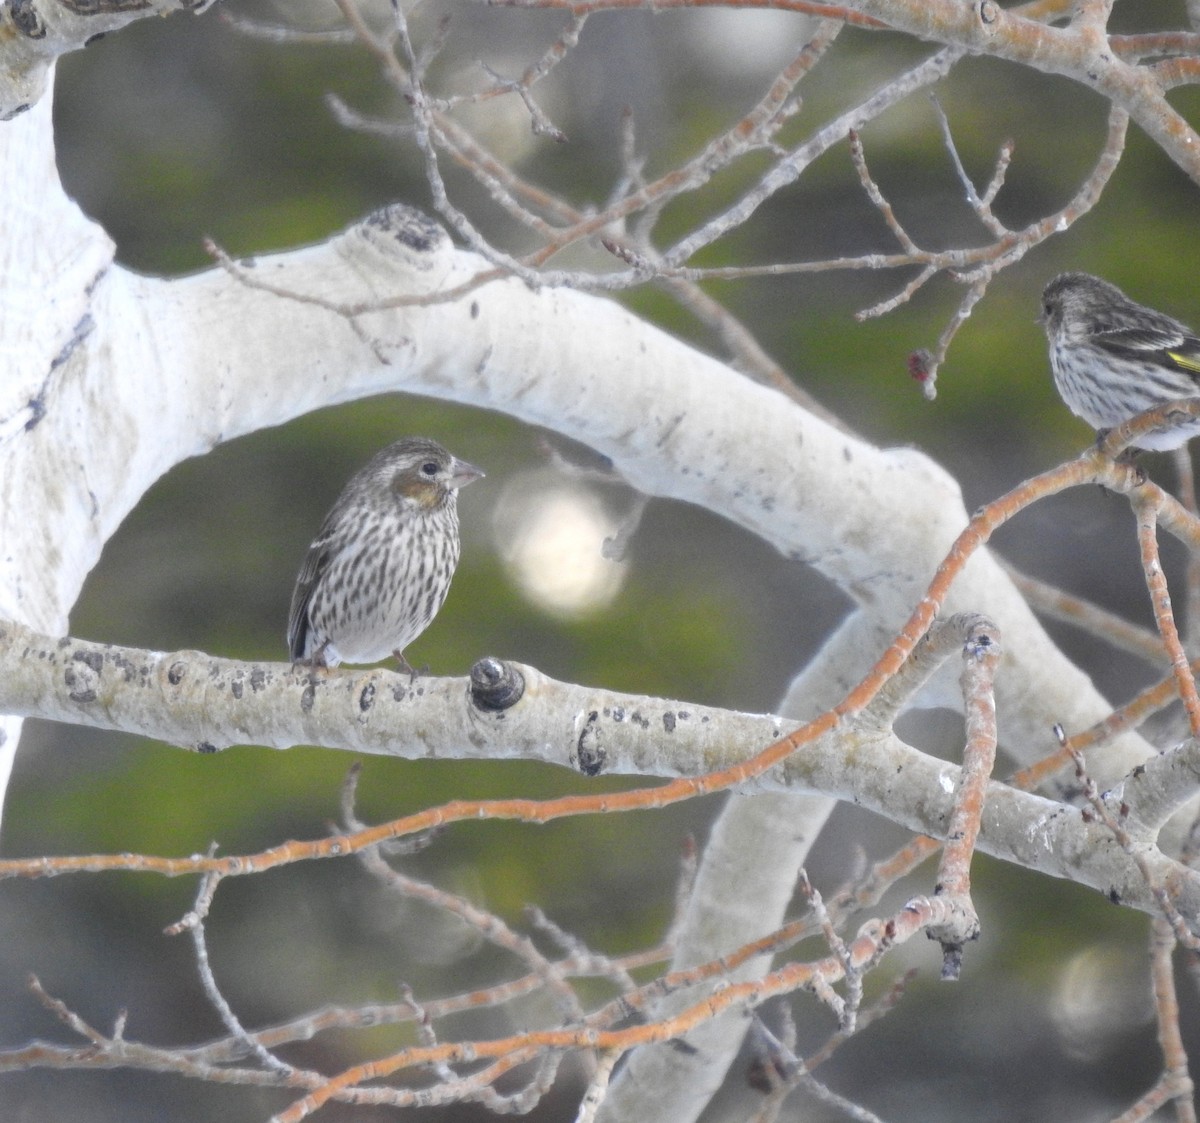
(1113, 358)
(380, 568)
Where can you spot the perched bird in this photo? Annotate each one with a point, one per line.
(380, 568)
(1113, 358)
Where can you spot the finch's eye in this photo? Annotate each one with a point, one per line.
(429, 468)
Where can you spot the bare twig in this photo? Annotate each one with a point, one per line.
(1099, 622)
(1146, 507)
(1116, 822)
(981, 656)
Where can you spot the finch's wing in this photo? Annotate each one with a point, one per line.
(315, 563)
(1169, 344)
(1186, 355)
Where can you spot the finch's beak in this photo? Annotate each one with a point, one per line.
(463, 474)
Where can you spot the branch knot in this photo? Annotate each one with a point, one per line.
(496, 685)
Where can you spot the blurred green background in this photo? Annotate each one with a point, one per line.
(178, 129)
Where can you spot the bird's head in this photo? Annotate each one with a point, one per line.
(421, 471)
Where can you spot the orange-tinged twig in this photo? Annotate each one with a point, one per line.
(1147, 505)
(754, 129)
(1185, 486)
(1049, 600)
(1175, 1083)
(1040, 9)
(1136, 47)
(1166, 1005)
(889, 870)
(916, 916)
(877, 1010)
(1184, 525)
(1174, 72)
(981, 657)
(1128, 716)
(803, 7)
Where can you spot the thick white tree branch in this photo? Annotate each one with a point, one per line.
(675, 422)
(507, 710)
(50, 258)
(33, 33)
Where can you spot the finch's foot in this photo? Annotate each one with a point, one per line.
(1127, 455)
(405, 665)
(317, 664)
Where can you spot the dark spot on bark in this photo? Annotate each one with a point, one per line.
(26, 20)
(37, 410)
(91, 659)
(79, 688)
(408, 226)
(590, 752)
(129, 670)
(176, 673)
(81, 680)
(367, 698)
(669, 722)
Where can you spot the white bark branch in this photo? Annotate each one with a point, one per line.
(171, 368)
(206, 703)
(33, 33)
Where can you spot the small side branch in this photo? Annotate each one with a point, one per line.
(981, 656)
(1146, 507)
